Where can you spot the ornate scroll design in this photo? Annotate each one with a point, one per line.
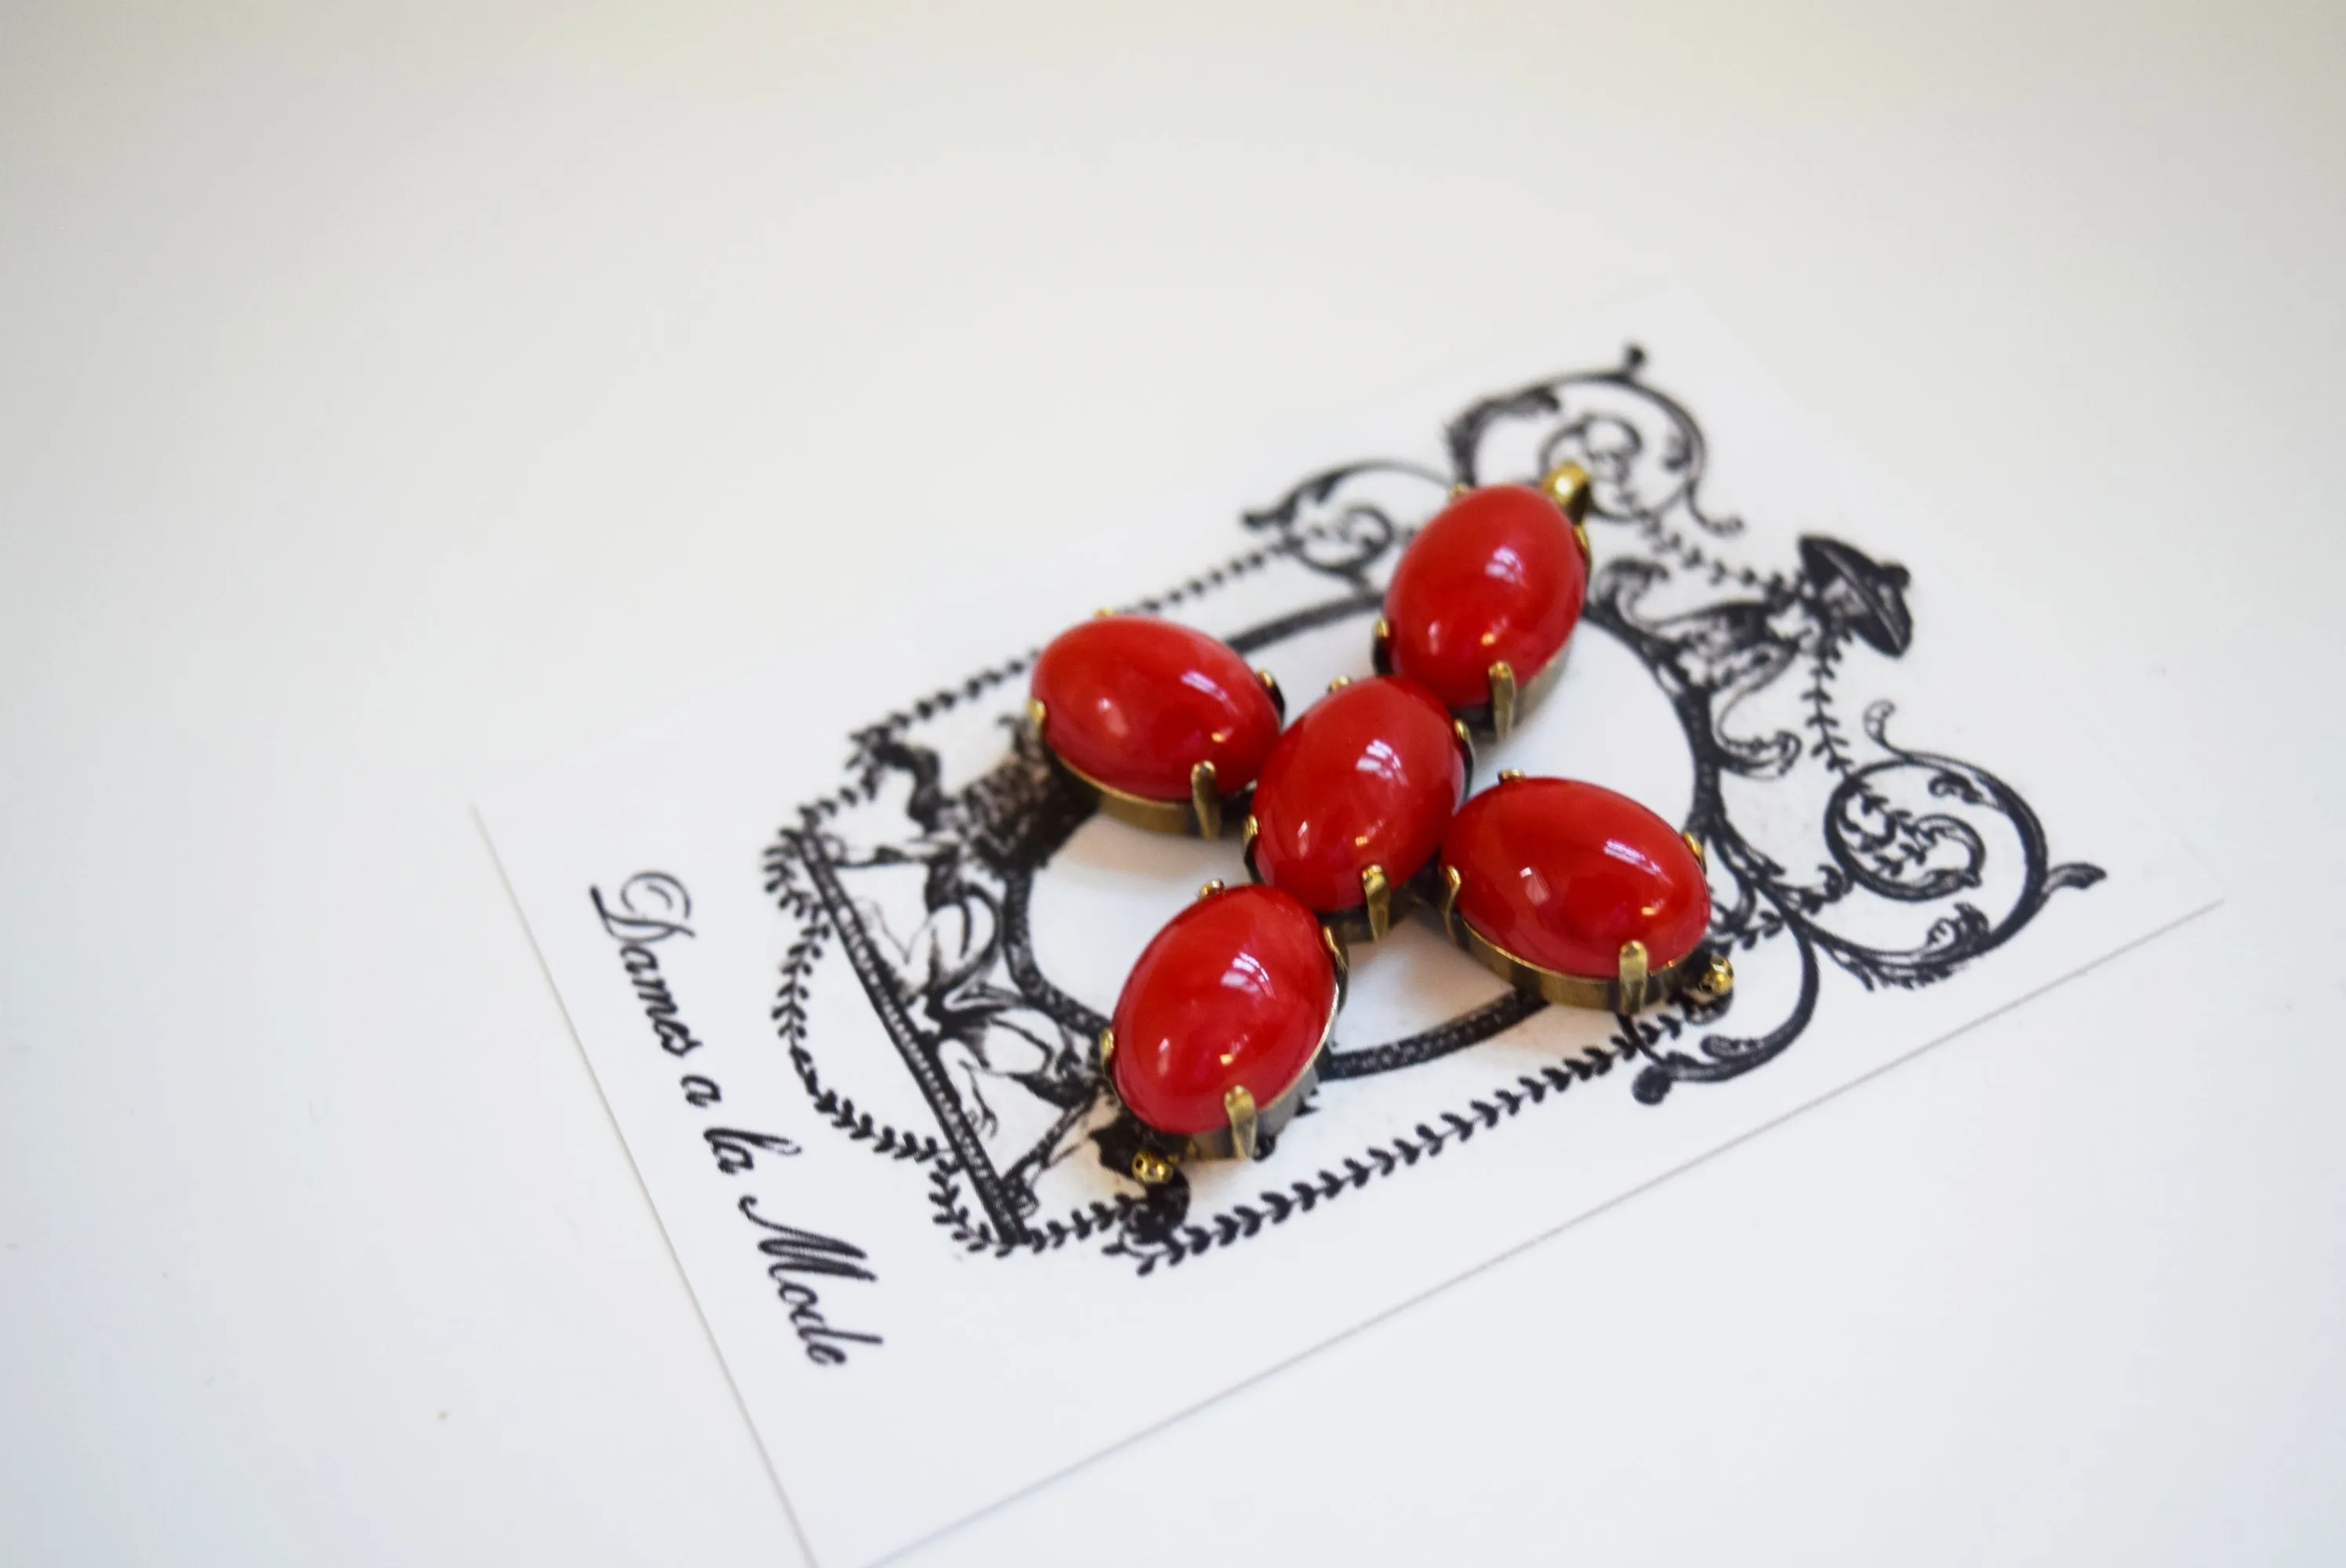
(1918, 865)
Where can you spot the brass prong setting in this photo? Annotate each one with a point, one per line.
(1632, 977)
(1150, 1168)
(1716, 979)
(1701, 856)
(1703, 974)
(1107, 1050)
(1201, 813)
(1503, 698)
(1376, 892)
(1465, 747)
(1509, 775)
(1567, 485)
(1380, 648)
(1239, 1107)
(1036, 715)
(1211, 886)
(1271, 684)
(1340, 683)
(1206, 801)
(1339, 958)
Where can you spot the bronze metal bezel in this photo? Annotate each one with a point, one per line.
(1705, 973)
(1248, 1122)
(1202, 815)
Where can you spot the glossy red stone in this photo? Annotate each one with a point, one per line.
(1237, 990)
(1368, 777)
(1496, 575)
(1135, 703)
(1562, 873)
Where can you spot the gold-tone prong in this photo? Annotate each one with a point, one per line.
(1270, 685)
(1716, 979)
(1567, 485)
(1461, 490)
(1336, 954)
(1340, 683)
(1035, 714)
(1102, 613)
(1339, 958)
(1632, 976)
(1246, 831)
(1206, 801)
(1701, 856)
(1450, 883)
(1377, 893)
(1211, 886)
(1239, 1107)
(1106, 1048)
(1380, 646)
(1466, 745)
(1150, 1168)
(1503, 698)
(1580, 537)
(1510, 774)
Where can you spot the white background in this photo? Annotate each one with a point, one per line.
(391, 400)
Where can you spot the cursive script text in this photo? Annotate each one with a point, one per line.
(796, 1252)
(649, 907)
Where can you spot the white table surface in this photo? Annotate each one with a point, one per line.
(391, 399)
